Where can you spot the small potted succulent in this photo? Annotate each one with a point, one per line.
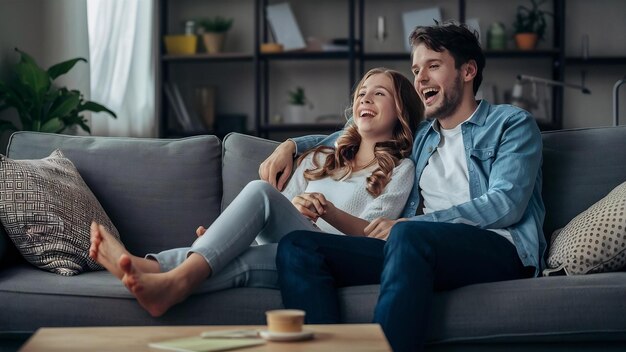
(296, 110)
(214, 32)
(530, 25)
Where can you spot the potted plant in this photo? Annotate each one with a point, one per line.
(296, 110)
(214, 32)
(40, 105)
(530, 25)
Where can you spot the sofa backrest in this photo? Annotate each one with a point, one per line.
(242, 154)
(580, 167)
(156, 191)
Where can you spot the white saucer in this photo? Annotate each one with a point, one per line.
(286, 336)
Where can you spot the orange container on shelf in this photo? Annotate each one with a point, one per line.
(181, 44)
(271, 48)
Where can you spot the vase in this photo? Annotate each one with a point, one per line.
(205, 106)
(295, 114)
(213, 42)
(496, 37)
(180, 44)
(526, 41)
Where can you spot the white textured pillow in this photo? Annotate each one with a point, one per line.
(594, 241)
(46, 209)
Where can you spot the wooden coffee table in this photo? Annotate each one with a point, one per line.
(341, 337)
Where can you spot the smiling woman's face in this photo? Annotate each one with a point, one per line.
(374, 107)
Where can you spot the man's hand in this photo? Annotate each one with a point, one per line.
(279, 162)
(381, 227)
(311, 205)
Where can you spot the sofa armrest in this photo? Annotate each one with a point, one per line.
(241, 156)
(9, 255)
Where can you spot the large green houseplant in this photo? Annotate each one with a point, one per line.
(41, 105)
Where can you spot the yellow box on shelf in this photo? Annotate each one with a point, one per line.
(181, 44)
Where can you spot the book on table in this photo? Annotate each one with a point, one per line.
(200, 344)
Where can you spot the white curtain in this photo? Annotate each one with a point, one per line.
(121, 60)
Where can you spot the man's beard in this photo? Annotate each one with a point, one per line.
(451, 101)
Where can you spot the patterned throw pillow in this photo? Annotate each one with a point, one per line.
(46, 209)
(594, 241)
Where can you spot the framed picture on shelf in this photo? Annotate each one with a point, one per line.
(284, 26)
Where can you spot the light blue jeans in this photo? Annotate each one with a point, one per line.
(259, 212)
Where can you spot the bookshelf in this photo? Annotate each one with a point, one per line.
(254, 84)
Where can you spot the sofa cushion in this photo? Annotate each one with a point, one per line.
(562, 308)
(538, 309)
(30, 299)
(156, 191)
(46, 208)
(4, 244)
(549, 309)
(595, 240)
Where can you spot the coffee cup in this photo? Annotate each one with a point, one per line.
(285, 320)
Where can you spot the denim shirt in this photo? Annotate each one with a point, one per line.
(503, 152)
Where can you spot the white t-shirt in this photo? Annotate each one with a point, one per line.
(351, 196)
(445, 179)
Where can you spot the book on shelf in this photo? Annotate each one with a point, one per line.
(474, 25)
(189, 122)
(340, 44)
(204, 105)
(284, 27)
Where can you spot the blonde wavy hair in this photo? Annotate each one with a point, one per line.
(388, 154)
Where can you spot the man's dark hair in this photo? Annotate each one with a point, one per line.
(458, 39)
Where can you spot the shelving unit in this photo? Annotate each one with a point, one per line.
(609, 60)
(208, 57)
(263, 125)
(555, 54)
(353, 62)
(170, 14)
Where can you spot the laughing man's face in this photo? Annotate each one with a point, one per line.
(438, 83)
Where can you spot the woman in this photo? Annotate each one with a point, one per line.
(338, 190)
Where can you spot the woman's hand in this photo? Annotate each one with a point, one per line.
(381, 227)
(311, 205)
(276, 169)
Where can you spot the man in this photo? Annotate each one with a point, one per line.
(474, 215)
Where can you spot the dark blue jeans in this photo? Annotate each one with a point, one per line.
(418, 259)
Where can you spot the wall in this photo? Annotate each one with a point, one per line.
(500, 73)
(14, 31)
(604, 22)
(51, 32)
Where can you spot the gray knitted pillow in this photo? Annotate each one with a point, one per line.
(46, 209)
(594, 241)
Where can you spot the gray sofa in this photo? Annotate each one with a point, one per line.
(156, 191)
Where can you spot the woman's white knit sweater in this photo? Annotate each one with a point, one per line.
(351, 196)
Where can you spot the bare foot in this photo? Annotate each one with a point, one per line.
(200, 231)
(106, 249)
(155, 292)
